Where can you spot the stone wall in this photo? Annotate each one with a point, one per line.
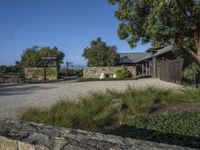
(37, 74)
(94, 72)
(17, 135)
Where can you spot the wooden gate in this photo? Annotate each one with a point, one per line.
(170, 70)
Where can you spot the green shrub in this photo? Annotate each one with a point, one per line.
(122, 73)
(90, 113)
(70, 72)
(100, 110)
(182, 123)
(191, 71)
(187, 95)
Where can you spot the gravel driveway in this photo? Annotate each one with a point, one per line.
(15, 97)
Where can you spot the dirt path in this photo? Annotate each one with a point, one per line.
(15, 97)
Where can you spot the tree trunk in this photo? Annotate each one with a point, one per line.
(195, 55)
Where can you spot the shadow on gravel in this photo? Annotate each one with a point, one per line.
(155, 136)
(18, 89)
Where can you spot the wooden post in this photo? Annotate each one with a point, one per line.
(142, 68)
(154, 66)
(146, 68)
(45, 72)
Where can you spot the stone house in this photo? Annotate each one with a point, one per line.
(129, 60)
(159, 63)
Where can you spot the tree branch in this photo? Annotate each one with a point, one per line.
(195, 55)
(180, 6)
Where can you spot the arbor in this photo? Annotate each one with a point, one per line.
(100, 54)
(161, 22)
(31, 57)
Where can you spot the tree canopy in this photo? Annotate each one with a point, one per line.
(101, 54)
(31, 57)
(9, 69)
(161, 22)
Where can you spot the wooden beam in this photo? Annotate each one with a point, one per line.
(142, 68)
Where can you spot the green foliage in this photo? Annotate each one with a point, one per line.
(122, 73)
(191, 72)
(100, 110)
(183, 123)
(128, 114)
(100, 54)
(31, 57)
(184, 95)
(70, 72)
(9, 69)
(160, 22)
(91, 112)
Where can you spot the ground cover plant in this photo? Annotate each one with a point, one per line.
(167, 112)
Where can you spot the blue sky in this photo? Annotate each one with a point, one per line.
(69, 25)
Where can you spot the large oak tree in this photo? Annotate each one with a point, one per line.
(100, 54)
(32, 57)
(161, 22)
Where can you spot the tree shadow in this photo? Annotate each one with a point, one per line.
(155, 136)
(18, 89)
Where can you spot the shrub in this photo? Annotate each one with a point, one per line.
(122, 73)
(181, 129)
(191, 72)
(90, 113)
(184, 95)
(100, 110)
(183, 123)
(70, 72)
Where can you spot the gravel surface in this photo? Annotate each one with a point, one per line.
(14, 98)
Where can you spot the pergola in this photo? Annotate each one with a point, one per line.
(50, 61)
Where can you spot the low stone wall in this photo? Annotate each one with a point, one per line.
(16, 135)
(94, 72)
(37, 74)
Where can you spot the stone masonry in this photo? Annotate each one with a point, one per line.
(37, 74)
(94, 72)
(17, 135)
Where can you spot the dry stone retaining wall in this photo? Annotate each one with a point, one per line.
(17, 135)
(94, 72)
(37, 74)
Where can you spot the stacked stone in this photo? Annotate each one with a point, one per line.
(17, 135)
(95, 72)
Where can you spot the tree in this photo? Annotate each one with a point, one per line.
(100, 54)
(31, 57)
(161, 22)
(9, 69)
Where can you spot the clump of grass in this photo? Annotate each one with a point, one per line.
(185, 95)
(89, 113)
(100, 110)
